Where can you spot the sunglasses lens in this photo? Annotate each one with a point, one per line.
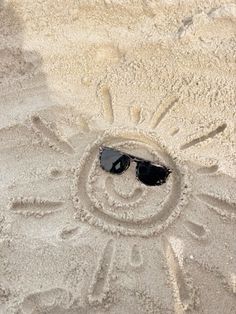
(113, 161)
(150, 174)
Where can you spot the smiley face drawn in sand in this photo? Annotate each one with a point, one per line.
(121, 203)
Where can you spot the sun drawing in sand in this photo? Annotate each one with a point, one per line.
(123, 210)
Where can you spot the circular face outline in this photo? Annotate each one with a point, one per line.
(88, 211)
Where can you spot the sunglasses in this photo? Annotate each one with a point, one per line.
(116, 162)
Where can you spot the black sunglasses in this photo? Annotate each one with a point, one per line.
(116, 162)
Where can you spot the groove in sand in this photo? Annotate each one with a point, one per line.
(107, 104)
(205, 137)
(51, 136)
(101, 281)
(157, 118)
(222, 207)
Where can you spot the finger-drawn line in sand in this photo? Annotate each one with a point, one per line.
(105, 94)
(175, 131)
(183, 292)
(196, 230)
(34, 206)
(50, 135)
(100, 286)
(131, 197)
(223, 207)
(68, 232)
(204, 137)
(208, 170)
(136, 258)
(158, 117)
(135, 114)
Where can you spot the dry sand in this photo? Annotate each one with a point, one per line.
(155, 79)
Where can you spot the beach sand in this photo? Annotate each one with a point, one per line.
(155, 79)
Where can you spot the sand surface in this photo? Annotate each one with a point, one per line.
(155, 79)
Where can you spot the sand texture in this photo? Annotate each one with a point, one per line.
(155, 79)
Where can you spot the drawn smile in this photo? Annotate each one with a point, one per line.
(132, 196)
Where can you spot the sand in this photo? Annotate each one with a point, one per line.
(155, 79)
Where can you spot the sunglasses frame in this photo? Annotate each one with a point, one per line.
(132, 158)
